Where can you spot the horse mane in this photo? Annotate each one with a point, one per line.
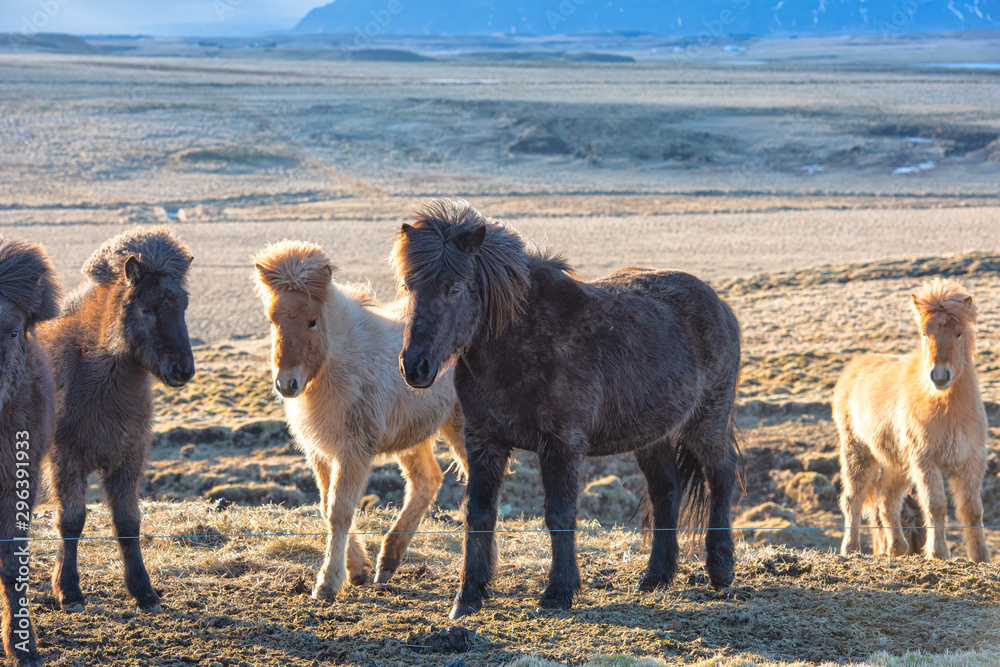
(293, 266)
(157, 250)
(501, 262)
(945, 296)
(28, 279)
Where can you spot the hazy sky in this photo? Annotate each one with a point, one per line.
(155, 17)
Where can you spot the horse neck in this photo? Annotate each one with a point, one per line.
(541, 276)
(99, 332)
(14, 376)
(351, 328)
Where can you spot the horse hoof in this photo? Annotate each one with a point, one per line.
(33, 660)
(461, 609)
(555, 603)
(361, 579)
(324, 594)
(73, 607)
(723, 581)
(384, 576)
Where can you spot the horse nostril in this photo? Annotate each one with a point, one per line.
(941, 378)
(277, 384)
(293, 385)
(423, 367)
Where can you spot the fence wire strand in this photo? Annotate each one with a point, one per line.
(367, 533)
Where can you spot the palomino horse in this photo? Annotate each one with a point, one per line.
(122, 327)
(641, 361)
(28, 294)
(334, 361)
(902, 420)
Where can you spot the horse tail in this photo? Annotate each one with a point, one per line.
(695, 498)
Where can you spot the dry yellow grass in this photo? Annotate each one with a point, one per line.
(243, 601)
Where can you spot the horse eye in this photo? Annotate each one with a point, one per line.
(146, 311)
(312, 324)
(958, 335)
(13, 334)
(455, 290)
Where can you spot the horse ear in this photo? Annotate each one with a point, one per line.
(967, 299)
(329, 270)
(133, 271)
(406, 228)
(46, 302)
(471, 242)
(915, 300)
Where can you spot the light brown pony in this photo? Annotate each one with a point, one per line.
(335, 362)
(910, 418)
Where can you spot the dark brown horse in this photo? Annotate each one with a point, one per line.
(28, 295)
(122, 327)
(640, 361)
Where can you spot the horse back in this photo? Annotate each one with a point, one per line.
(625, 359)
(680, 299)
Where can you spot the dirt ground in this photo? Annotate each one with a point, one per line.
(786, 185)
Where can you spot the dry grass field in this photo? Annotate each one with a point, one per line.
(787, 185)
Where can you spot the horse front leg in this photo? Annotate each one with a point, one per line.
(70, 486)
(487, 464)
(966, 489)
(121, 487)
(423, 479)
(349, 477)
(934, 504)
(560, 464)
(18, 633)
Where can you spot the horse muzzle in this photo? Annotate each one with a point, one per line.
(418, 370)
(178, 373)
(289, 384)
(941, 378)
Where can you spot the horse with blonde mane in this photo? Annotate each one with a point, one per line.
(904, 420)
(335, 363)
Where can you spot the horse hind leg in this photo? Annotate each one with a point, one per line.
(453, 432)
(321, 471)
(423, 479)
(966, 484)
(121, 486)
(888, 505)
(663, 487)
(858, 471)
(711, 443)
